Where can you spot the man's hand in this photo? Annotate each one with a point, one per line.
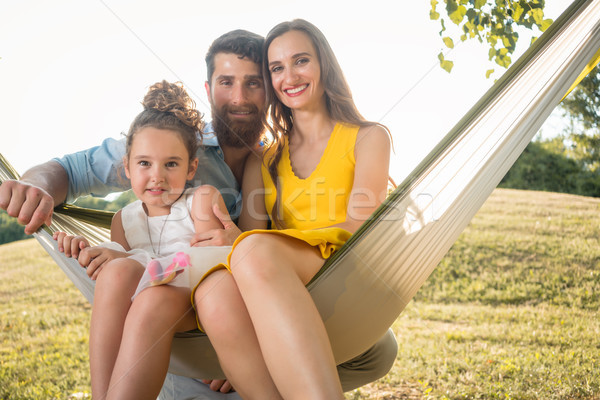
(217, 237)
(218, 385)
(31, 205)
(94, 258)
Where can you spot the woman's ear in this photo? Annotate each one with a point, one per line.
(126, 166)
(192, 169)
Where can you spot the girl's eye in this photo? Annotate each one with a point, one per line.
(171, 164)
(144, 163)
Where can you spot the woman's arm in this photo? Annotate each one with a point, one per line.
(254, 214)
(372, 155)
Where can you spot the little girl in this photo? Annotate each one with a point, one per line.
(160, 158)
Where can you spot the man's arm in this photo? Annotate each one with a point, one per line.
(32, 199)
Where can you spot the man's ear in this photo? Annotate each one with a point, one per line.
(207, 87)
(192, 169)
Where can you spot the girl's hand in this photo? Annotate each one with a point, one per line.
(69, 244)
(218, 385)
(94, 258)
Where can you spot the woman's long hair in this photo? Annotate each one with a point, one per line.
(338, 97)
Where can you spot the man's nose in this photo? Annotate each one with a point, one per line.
(238, 94)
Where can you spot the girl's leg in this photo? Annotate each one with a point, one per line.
(225, 320)
(115, 285)
(143, 360)
(271, 272)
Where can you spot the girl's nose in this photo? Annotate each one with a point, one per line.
(157, 174)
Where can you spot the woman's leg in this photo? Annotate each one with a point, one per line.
(271, 273)
(225, 320)
(115, 285)
(143, 359)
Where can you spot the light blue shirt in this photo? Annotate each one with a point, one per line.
(99, 170)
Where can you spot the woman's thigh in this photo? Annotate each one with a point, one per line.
(262, 250)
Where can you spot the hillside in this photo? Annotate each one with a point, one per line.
(511, 312)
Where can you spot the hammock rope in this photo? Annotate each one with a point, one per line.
(363, 288)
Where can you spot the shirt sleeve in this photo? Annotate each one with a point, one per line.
(97, 171)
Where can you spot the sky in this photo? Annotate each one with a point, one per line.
(74, 72)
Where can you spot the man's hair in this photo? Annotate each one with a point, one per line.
(243, 43)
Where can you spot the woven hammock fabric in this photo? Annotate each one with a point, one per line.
(365, 286)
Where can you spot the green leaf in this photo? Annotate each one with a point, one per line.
(448, 42)
(545, 24)
(458, 15)
(479, 3)
(433, 14)
(488, 73)
(518, 13)
(447, 65)
(538, 15)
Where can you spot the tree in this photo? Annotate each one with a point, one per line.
(492, 21)
(582, 107)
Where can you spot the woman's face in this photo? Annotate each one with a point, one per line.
(295, 71)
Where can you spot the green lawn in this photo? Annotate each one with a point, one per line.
(510, 313)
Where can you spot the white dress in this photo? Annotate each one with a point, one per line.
(162, 237)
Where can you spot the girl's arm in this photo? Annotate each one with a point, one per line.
(372, 155)
(254, 214)
(117, 233)
(210, 215)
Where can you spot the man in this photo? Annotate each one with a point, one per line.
(236, 92)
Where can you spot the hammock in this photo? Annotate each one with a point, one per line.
(363, 288)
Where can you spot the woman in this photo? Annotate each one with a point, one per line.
(325, 173)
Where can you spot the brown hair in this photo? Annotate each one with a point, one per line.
(338, 97)
(168, 106)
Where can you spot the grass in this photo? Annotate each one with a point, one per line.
(510, 313)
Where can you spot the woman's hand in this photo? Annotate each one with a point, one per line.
(217, 237)
(94, 258)
(69, 244)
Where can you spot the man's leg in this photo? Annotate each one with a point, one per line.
(183, 388)
(371, 365)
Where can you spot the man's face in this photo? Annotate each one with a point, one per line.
(237, 96)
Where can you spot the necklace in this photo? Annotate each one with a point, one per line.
(157, 252)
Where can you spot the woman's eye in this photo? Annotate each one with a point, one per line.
(276, 69)
(302, 61)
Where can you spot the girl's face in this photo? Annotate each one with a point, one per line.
(158, 167)
(295, 71)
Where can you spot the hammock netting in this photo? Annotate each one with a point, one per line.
(363, 288)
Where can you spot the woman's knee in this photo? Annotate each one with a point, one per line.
(251, 256)
(218, 302)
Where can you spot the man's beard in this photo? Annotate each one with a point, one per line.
(238, 134)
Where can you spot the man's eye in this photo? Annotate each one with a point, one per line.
(225, 83)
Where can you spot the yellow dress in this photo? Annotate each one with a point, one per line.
(310, 206)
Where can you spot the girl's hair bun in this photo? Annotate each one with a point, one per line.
(172, 97)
